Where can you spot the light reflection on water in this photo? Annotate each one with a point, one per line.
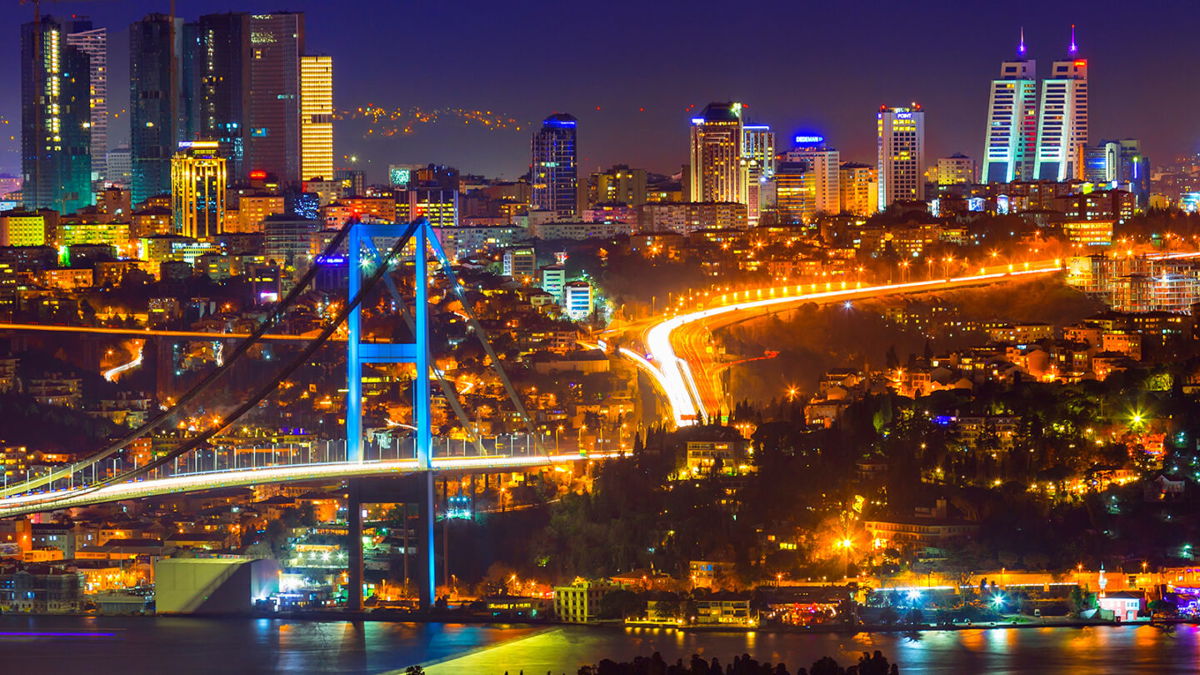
(996, 651)
(178, 645)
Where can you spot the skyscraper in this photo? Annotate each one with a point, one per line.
(1063, 119)
(198, 182)
(273, 139)
(221, 67)
(316, 117)
(758, 152)
(155, 111)
(56, 162)
(553, 172)
(901, 154)
(718, 170)
(1011, 135)
(94, 43)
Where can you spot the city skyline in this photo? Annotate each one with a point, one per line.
(642, 124)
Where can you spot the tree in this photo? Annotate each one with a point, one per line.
(889, 616)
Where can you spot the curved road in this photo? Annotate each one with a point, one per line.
(677, 348)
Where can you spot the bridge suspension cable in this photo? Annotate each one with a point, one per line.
(187, 397)
(267, 388)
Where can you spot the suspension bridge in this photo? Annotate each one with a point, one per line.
(204, 460)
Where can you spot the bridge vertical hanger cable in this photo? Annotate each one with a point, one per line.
(446, 386)
(199, 388)
(452, 281)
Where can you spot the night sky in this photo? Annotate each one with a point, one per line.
(821, 67)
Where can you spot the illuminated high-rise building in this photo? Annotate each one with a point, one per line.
(220, 70)
(198, 182)
(1011, 136)
(56, 162)
(718, 170)
(316, 117)
(758, 152)
(901, 150)
(94, 43)
(553, 171)
(1062, 132)
(154, 109)
(858, 189)
(823, 165)
(273, 123)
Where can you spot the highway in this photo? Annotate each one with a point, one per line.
(82, 496)
(677, 347)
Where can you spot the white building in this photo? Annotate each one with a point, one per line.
(1011, 134)
(577, 300)
(1063, 119)
(901, 150)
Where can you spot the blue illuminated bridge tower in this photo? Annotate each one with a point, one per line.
(364, 253)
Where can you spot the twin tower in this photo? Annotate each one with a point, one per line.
(1026, 140)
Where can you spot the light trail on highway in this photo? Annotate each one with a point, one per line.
(675, 374)
(112, 373)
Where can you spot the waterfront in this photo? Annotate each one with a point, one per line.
(195, 645)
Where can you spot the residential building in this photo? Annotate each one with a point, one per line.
(580, 602)
(22, 228)
(957, 169)
(619, 185)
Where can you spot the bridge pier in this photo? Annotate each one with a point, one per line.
(427, 567)
(354, 593)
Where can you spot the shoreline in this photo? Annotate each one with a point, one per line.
(545, 624)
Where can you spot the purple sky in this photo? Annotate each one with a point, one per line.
(821, 67)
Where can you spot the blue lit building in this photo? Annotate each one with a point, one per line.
(553, 171)
(56, 158)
